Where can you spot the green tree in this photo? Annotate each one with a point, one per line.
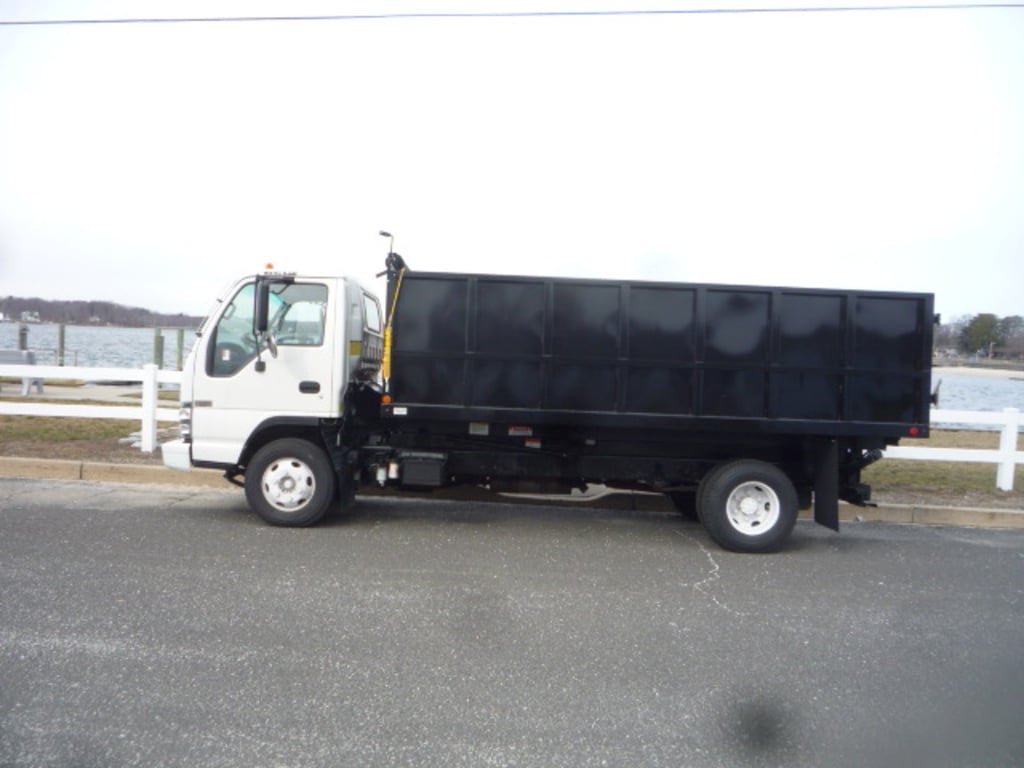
(1011, 335)
(980, 334)
(1010, 327)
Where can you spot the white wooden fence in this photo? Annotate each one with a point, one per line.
(148, 412)
(1006, 456)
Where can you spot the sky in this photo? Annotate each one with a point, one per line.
(151, 164)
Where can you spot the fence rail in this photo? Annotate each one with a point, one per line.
(148, 412)
(1006, 456)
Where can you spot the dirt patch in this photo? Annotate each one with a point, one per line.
(979, 499)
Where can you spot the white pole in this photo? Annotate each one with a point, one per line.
(149, 401)
(1007, 449)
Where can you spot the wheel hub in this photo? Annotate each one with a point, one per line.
(748, 506)
(753, 508)
(288, 484)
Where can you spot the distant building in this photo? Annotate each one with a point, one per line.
(30, 317)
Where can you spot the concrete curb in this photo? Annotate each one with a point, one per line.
(99, 472)
(913, 514)
(153, 474)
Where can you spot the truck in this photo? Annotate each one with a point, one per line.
(741, 404)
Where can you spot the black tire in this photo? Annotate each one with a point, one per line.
(290, 482)
(685, 503)
(748, 505)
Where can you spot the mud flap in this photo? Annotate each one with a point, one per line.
(826, 486)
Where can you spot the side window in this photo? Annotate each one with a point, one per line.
(297, 314)
(372, 311)
(297, 318)
(232, 344)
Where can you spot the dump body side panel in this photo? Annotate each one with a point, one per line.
(661, 356)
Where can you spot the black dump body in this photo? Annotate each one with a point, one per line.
(527, 383)
(661, 356)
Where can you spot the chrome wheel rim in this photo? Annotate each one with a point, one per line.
(752, 508)
(288, 484)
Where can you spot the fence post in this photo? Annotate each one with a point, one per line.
(149, 403)
(1007, 450)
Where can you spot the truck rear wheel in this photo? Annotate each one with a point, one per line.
(290, 482)
(748, 505)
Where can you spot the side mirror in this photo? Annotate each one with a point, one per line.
(261, 322)
(261, 312)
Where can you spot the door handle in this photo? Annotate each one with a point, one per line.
(309, 387)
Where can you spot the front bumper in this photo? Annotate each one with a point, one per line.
(177, 455)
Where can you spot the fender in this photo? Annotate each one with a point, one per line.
(307, 427)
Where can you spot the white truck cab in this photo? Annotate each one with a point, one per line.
(278, 353)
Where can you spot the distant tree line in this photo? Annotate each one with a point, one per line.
(93, 313)
(984, 335)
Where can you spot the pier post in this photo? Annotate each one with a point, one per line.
(158, 348)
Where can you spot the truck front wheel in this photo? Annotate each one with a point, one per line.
(290, 482)
(748, 505)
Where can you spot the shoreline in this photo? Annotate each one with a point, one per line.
(983, 372)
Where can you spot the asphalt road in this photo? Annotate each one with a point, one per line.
(155, 626)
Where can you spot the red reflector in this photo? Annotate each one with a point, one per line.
(914, 431)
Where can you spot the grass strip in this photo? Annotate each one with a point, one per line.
(58, 429)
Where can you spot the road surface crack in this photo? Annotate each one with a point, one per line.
(705, 585)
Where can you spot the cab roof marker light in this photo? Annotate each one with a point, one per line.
(269, 271)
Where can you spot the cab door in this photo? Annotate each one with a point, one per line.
(243, 380)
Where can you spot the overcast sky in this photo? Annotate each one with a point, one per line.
(151, 163)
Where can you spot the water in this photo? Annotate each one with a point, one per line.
(133, 347)
(97, 346)
(964, 392)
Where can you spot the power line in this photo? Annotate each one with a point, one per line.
(518, 14)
